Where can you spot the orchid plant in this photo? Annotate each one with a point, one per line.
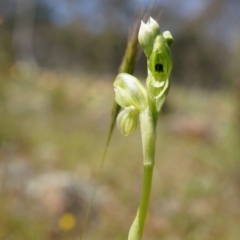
(144, 104)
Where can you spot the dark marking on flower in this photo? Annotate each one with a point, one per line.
(159, 67)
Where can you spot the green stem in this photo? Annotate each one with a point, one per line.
(137, 227)
(148, 141)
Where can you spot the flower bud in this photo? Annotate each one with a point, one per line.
(130, 92)
(169, 38)
(127, 120)
(147, 34)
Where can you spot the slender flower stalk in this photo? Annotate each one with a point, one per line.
(137, 101)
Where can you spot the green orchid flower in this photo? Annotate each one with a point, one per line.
(147, 34)
(131, 95)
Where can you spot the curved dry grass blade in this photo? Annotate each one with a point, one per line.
(127, 66)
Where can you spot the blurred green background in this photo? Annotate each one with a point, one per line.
(58, 60)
